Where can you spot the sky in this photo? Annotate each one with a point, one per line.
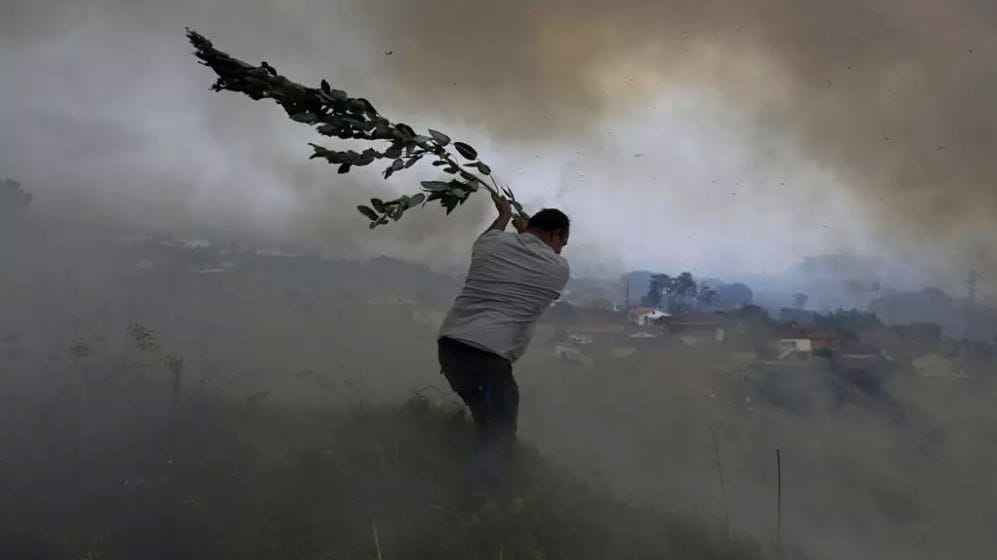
(719, 137)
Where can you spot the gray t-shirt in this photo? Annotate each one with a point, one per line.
(512, 280)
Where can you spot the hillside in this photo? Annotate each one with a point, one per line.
(223, 479)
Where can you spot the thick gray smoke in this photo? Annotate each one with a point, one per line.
(801, 126)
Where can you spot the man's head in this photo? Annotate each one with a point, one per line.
(551, 226)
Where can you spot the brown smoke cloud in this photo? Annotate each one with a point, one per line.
(896, 97)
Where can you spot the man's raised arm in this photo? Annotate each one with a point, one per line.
(504, 214)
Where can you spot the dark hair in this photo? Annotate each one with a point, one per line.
(549, 220)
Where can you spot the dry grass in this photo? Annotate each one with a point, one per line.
(222, 479)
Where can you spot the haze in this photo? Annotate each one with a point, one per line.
(722, 137)
(825, 168)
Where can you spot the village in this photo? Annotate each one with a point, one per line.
(750, 336)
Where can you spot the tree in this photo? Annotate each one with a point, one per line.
(851, 322)
(333, 113)
(681, 292)
(659, 284)
(706, 296)
(752, 315)
(733, 296)
(800, 300)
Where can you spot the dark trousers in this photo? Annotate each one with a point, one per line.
(484, 382)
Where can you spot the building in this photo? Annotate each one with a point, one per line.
(934, 364)
(647, 316)
(794, 347)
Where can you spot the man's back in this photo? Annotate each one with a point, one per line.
(513, 278)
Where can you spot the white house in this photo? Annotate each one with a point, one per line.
(798, 348)
(934, 364)
(644, 316)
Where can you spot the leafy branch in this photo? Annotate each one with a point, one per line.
(335, 114)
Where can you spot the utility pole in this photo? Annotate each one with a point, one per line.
(971, 289)
(971, 286)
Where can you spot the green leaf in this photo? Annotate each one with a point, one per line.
(435, 186)
(441, 139)
(459, 194)
(368, 211)
(413, 160)
(439, 163)
(397, 165)
(405, 129)
(466, 150)
(469, 177)
(450, 202)
(344, 168)
(423, 142)
(483, 168)
(394, 151)
(416, 200)
(306, 117)
(378, 204)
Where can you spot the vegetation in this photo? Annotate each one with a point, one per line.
(219, 478)
(849, 323)
(287, 444)
(333, 113)
(681, 292)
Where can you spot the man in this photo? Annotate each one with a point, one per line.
(512, 280)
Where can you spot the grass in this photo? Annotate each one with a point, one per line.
(223, 479)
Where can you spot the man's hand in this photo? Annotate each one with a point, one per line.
(519, 223)
(504, 208)
(503, 205)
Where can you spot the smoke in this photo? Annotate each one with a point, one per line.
(894, 99)
(744, 135)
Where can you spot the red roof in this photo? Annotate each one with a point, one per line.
(642, 310)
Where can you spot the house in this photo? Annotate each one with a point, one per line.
(802, 342)
(859, 356)
(794, 347)
(647, 316)
(822, 338)
(697, 328)
(934, 364)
